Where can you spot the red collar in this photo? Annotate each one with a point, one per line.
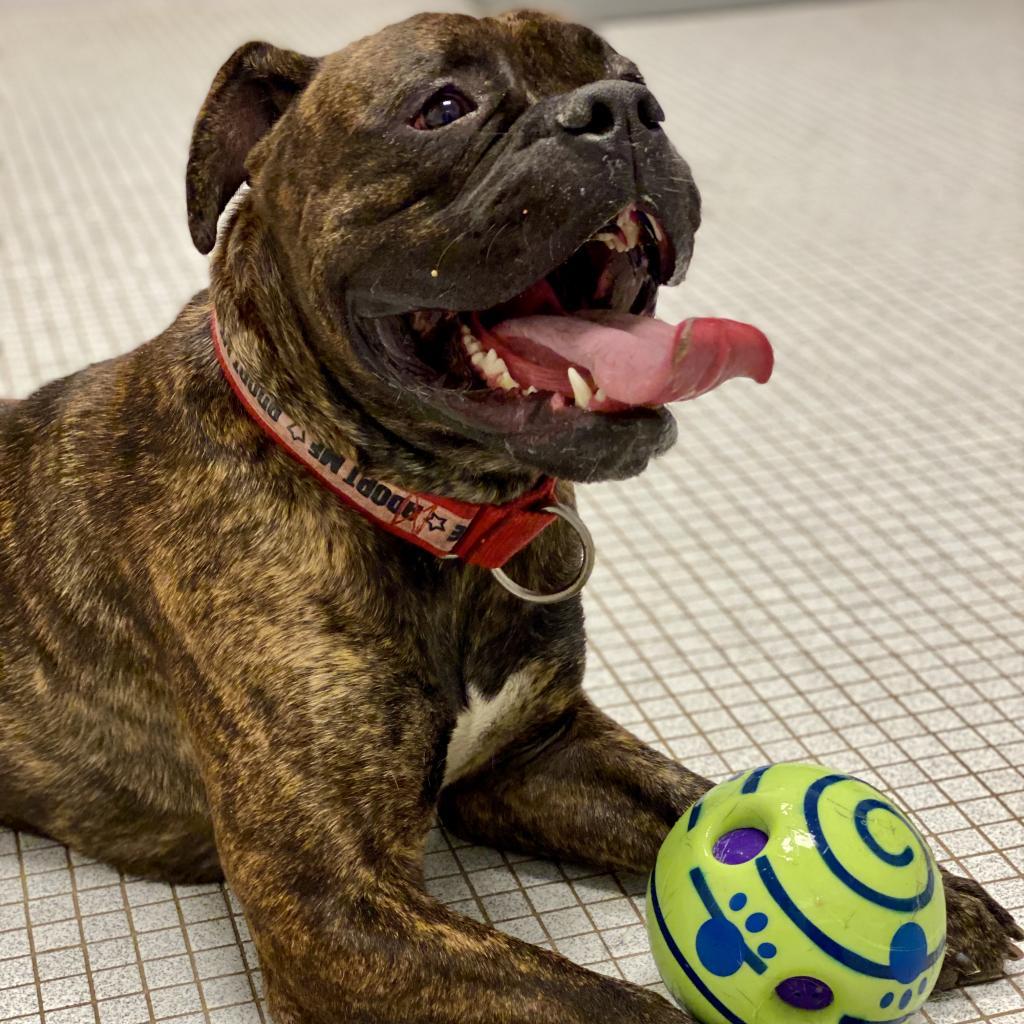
(487, 535)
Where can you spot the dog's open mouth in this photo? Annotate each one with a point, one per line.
(585, 334)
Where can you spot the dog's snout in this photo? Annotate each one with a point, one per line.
(609, 108)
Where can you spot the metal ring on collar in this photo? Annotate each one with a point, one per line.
(536, 597)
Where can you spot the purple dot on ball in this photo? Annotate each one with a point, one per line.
(805, 993)
(739, 845)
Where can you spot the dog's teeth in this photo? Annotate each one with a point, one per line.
(600, 395)
(469, 343)
(494, 369)
(494, 364)
(658, 233)
(580, 388)
(531, 390)
(478, 359)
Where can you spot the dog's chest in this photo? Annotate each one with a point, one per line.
(487, 725)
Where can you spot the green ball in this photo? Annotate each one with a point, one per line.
(794, 893)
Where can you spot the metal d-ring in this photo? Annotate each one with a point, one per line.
(534, 596)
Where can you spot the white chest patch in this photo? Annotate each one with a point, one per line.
(487, 725)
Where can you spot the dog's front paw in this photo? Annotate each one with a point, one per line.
(980, 935)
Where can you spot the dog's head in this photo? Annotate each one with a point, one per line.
(477, 215)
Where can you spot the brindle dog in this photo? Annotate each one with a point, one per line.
(209, 666)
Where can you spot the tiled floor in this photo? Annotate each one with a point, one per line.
(828, 567)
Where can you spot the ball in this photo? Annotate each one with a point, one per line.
(796, 893)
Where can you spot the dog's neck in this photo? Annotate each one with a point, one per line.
(262, 318)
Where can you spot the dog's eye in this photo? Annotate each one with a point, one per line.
(445, 106)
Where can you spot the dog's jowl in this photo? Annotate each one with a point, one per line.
(247, 623)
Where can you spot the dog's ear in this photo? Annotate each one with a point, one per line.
(250, 92)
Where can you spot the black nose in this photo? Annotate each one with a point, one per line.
(611, 108)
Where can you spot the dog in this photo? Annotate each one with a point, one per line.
(247, 627)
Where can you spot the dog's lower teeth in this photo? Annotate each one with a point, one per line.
(493, 364)
(600, 395)
(469, 343)
(531, 390)
(490, 364)
(580, 388)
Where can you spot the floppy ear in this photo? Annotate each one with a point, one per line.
(250, 92)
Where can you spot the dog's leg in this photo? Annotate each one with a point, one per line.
(403, 959)
(320, 803)
(980, 934)
(597, 795)
(594, 794)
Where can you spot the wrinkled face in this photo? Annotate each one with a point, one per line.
(481, 210)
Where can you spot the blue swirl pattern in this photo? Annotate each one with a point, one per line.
(906, 905)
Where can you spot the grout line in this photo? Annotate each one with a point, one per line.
(140, 963)
(28, 924)
(189, 951)
(84, 944)
(245, 960)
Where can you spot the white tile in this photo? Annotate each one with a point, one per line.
(124, 1010)
(17, 1001)
(65, 992)
(169, 1002)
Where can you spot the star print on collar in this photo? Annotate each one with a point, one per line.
(436, 522)
(297, 433)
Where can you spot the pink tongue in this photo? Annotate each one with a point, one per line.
(639, 360)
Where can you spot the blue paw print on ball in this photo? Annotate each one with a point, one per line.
(908, 953)
(908, 958)
(720, 947)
